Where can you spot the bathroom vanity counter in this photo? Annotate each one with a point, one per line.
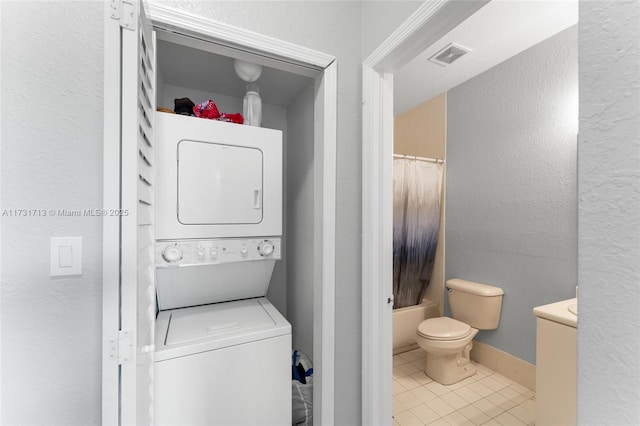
(556, 359)
(563, 312)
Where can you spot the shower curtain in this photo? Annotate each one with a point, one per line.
(417, 189)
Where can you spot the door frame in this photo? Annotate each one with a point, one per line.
(244, 44)
(431, 21)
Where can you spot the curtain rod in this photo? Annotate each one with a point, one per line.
(413, 157)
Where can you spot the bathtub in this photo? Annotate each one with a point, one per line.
(405, 324)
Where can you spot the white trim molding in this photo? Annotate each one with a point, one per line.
(377, 244)
(431, 21)
(240, 43)
(324, 313)
(111, 183)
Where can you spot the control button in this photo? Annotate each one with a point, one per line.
(266, 248)
(213, 252)
(172, 253)
(200, 252)
(244, 251)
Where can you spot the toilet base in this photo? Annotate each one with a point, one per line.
(449, 368)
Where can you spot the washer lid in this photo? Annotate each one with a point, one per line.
(216, 321)
(443, 328)
(198, 329)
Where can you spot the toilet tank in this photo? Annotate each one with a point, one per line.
(478, 305)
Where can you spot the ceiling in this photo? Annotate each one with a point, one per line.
(188, 67)
(498, 31)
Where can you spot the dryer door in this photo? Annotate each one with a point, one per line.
(219, 184)
(216, 179)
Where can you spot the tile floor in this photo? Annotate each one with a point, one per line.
(486, 398)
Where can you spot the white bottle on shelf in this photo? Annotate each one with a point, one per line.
(252, 106)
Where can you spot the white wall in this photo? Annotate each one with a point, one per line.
(511, 185)
(609, 214)
(52, 88)
(300, 211)
(381, 18)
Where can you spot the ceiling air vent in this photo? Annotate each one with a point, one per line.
(449, 54)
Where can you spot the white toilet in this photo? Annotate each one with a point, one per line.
(448, 341)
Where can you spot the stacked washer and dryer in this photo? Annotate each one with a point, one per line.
(223, 350)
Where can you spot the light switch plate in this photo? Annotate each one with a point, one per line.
(66, 256)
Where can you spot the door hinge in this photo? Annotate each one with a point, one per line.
(121, 349)
(125, 12)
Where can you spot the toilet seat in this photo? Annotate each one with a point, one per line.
(443, 328)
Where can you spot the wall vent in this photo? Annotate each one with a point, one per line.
(451, 53)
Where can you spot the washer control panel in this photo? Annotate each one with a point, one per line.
(211, 252)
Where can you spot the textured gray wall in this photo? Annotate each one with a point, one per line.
(609, 214)
(52, 87)
(511, 185)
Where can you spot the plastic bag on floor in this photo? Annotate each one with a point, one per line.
(301, 389)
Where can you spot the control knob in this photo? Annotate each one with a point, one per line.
(213, 252)
(266, 248)
(172, 253)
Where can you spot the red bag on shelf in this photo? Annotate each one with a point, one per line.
(206, 110)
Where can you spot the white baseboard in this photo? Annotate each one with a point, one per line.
(511, 367)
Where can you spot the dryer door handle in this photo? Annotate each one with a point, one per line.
(257, 198)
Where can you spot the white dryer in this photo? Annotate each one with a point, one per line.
(217, 179)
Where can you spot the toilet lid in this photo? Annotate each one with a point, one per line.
(443, 328)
